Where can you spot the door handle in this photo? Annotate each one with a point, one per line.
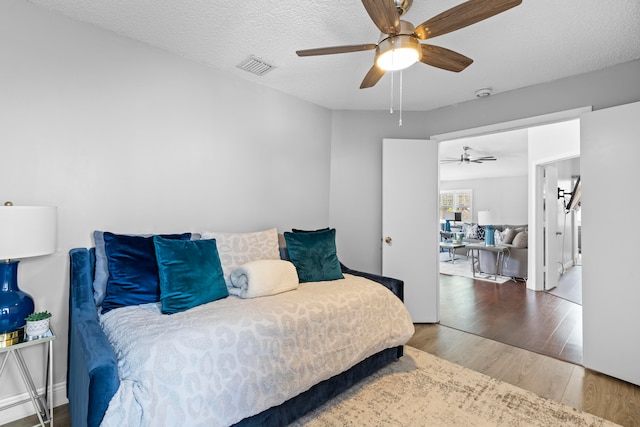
(388, 240)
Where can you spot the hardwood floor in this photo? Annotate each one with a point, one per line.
(555, 379)
(60, 419)
(512, 314)
(570, 285)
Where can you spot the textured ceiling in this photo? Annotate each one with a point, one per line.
(538, 41)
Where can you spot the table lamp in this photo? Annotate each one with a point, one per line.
(25, 231)
(485, 218)
(451, 216)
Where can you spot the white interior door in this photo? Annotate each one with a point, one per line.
(610, 290)
(550, 227)
(410, 222)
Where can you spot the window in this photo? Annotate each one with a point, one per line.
(456, 201)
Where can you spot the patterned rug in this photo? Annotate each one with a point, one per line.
(462, 267)
(424, 390)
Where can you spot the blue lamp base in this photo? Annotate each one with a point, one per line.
(489, 239)
(15, 304)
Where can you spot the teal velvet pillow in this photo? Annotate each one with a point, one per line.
(132, 268)
(314, 255)
(190, 273)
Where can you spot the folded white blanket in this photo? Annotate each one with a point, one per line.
(262, 278)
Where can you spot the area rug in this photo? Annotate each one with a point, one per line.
(462, 267)
(424, 390)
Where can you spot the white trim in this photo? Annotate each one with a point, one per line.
(26, 409)
(545, 119)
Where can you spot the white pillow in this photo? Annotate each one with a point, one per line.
(236, 249)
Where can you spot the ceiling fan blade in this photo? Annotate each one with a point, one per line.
(336, 49)
(372, 77)
(446, 59)
(449, 160)
(463, 15)
(384, 14)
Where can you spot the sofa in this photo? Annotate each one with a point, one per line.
(514, 237)
(252, 353)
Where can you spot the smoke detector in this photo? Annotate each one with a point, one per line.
(484, 92)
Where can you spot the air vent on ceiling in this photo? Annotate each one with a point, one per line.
(255, 65)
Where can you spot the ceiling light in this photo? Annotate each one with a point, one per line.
(400, 51)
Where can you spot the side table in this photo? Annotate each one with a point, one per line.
(451, 246)
(475, 249)
(43, 403)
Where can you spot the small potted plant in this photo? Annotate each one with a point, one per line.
(37, 323)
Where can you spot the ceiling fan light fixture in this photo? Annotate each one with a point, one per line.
(398, 52)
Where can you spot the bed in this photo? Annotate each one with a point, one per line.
(97, 377)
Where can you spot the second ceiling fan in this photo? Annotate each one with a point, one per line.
(399, 45)
(465, 157)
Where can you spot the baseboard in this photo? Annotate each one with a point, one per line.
(26, 409)
(567, 265)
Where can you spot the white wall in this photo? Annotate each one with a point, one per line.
(610, 290)
(356, 180)
(506, 198)
(357, 136)
(547, 144)
(128, 138)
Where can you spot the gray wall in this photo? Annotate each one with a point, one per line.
(357, 137)
(128, 138)
(506, 198)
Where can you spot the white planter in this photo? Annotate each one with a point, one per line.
(37, 328)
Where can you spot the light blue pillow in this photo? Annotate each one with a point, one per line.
(314, 255)
(101, 270)
(190, 273)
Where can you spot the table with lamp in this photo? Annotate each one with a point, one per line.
(485, 219)
(25, 231)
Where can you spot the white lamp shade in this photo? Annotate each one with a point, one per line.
(27, 231)
(485, 218)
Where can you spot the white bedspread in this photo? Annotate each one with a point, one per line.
(221, 362)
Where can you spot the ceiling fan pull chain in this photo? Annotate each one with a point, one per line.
(391, 106)
(400, 121)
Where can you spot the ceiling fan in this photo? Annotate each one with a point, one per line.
(399, 45)
(466, 158)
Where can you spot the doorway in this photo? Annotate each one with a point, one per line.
(552, 143)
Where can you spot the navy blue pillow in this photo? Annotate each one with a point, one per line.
(190, 273)
(314, 255)
(133, 271)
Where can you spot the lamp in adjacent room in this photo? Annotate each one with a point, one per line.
(485, 219)
(451, 216)
(25, 231)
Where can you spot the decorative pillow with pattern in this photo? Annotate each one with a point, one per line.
(236, 249)
(497, 236)
(480, 232)
(470, 231)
